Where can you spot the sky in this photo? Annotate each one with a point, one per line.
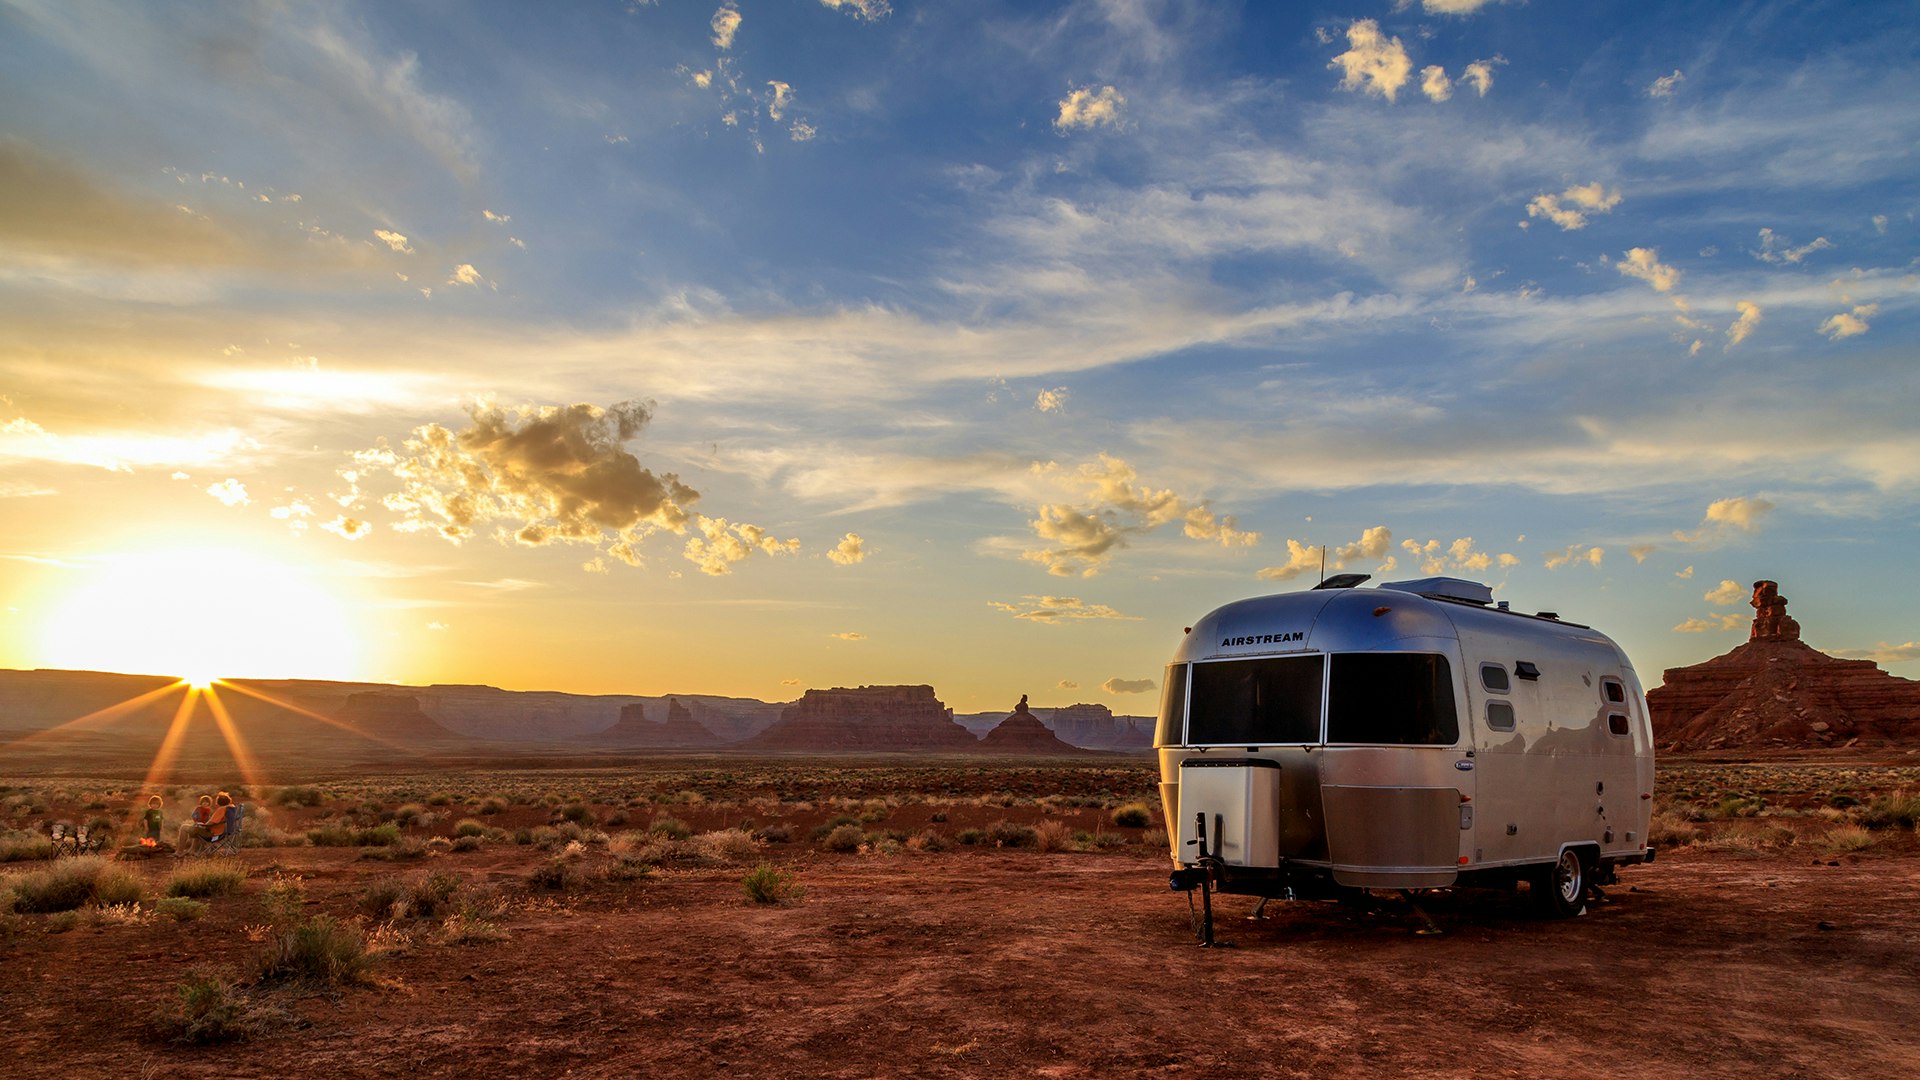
(746, 347)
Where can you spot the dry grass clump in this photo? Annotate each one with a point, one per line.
(1133, 815)
(74, 883)
(844, 838)
(318, 951)
(347, 836)
(1844, 839)
(1669, 829)
(206, 1009)
(726, 846)
(203, 882)
(17, 846)
(179, 908)
(1053, 836)
(423, 896)
(1005, 833)
(1898, 810)
(1751, 839)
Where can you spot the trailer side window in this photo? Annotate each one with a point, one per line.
(1494, 678)
(1617, 724)
(1398, 698)
(1499, 716)
(1615, 692)
(1250, 702)
(1173, 708)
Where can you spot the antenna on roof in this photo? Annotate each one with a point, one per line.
(1323, 564)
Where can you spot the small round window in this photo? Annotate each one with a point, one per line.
(1494, 678)
(1499, 716)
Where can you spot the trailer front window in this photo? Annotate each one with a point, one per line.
(1396, 698)
(1255, 702)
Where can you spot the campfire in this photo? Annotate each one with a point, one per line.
(148, 841)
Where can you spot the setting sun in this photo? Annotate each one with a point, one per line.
(201, 615)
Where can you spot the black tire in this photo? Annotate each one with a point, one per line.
(1560, 889)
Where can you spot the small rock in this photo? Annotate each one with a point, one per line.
(1824, 925)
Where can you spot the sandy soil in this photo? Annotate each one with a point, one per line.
(979, 962)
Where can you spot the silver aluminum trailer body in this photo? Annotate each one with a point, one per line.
(1399, 737)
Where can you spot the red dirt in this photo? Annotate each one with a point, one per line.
(1012, 963)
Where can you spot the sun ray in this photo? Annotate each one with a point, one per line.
(236, 745)
(170, 746)
(101, 716)
(279, 703)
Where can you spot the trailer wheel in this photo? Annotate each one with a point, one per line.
(1560, 890)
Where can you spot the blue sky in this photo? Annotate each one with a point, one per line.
(739, 348)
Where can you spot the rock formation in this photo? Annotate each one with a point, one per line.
(866, 718)
(1095, 727)
(1777, 691)
(1023, 733)
(678, 730)
(390, 718)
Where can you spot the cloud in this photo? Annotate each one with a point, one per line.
(851, 635)
(1684, 574)
(1743, 326)
(1081, 538)
(498, 219)
(1665, 85)
(850, 550)
(1848, 324)
(1712, 622)
(547, 474)
(1054, 400)
(1053, 610)
(1886, 653)
(1576, 554)
(1641, 551)
(1087, 108)
(1066, 684)
(725, 23)
(1435, 84)
(1570, 208)
(790, 682)
(724, 543)
(1726, 515)
(1479, 74)
(465, 274)
(1775, 248)
(1446, 7)
(778, 101)
(229, 491)
(1435, 558)
(1374, 543)
(1301, 559)
(1373, 62)
(1727, 592)
(346, 528)
(394, 240)
(1118, 685)
(866, 10)
(1644, 263)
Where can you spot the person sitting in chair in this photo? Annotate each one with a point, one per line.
(206, 827)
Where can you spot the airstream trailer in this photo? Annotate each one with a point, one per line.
(1411, 735)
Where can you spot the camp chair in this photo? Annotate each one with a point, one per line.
(228, 842)
(84, 844)
(64, 843)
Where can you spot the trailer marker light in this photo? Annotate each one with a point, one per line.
(1379, 611)
(1463, 860)
(1648, 795)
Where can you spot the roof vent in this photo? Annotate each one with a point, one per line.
(1444, 588)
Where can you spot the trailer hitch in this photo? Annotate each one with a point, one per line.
(1206, 864)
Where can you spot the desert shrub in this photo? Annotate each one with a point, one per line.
(970, 837)
(461, 928)
(1848, 838)
(939, 818)
(1751, 839)
(628, 868)
(465, 843)
(844, 838)
(1133, 816)
(347, 836)
(491, 805)
(74, 883)
(777, 833)
(316, 951)
(405, 849)
(579, 814)
(425, 896)
(726, 845)
(523, 837)
(1155, 836)
(469, 827)
(409, 814)
(821, 832)
(127, 914)
(1672, 830)
(438, 845)
(284, 900)
(179, 908)
(1899, 809)
(764, 884)
(1011, 834)
(1842, 801)
(24, 846)
(378, 900)
(927, 841)
(204, 881)
(298, 796)
(206, 1010)
(558, 874)
(440, 798)
(670, 827)
(1053, 836)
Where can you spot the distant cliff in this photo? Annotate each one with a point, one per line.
(866, 718)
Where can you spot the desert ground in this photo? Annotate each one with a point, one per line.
(951, 919)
